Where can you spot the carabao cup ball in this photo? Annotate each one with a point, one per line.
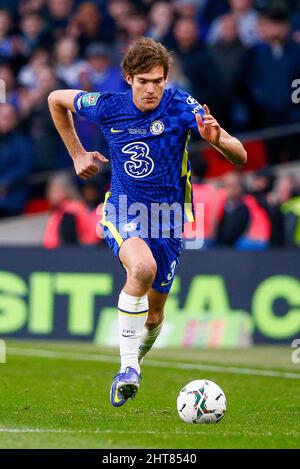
(201, 401)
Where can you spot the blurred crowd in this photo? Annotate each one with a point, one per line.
(250, 212)
(239, 56)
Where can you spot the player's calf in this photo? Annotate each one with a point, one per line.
(155, 318)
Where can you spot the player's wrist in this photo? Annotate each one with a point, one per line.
(78, 154)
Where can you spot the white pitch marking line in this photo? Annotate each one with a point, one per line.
(126, 432)
(154, 363)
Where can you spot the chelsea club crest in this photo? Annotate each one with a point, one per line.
(157, 127)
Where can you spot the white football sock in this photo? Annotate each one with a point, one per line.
(148, 338)
(133, 312)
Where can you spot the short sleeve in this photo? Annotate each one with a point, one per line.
(89, 105)
(189, 107)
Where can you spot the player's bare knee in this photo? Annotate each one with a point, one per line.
(143, 273)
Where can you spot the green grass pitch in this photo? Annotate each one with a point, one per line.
(56, 395)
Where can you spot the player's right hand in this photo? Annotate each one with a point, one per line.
(88, 163)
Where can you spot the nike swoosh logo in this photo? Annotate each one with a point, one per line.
(164, 284)
(116, 398)
(115, 131)
(132, 335)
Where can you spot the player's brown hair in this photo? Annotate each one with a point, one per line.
(145, 54)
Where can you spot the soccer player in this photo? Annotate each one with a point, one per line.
(147, 129)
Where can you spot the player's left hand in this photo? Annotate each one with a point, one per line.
(208, 127)
(88, 163)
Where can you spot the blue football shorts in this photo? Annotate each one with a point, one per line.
(166, 251)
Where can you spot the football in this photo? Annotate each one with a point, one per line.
(201, 401)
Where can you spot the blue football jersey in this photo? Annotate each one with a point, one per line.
(148, 150)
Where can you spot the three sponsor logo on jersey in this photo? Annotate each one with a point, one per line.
(140, 163)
